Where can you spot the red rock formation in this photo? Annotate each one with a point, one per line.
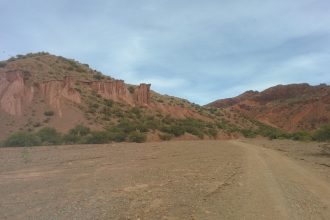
(115, 90)
(142, 94)
(290, 107)
(14, 94)
(55, 90)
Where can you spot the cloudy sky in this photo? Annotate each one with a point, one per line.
(198, 50)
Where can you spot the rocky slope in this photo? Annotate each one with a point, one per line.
(43, 90)
(290, 107)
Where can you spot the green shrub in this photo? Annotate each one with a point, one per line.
(116, 135)
(3, 64)
(76, 135)
(97, 137)
(301, 136)
(165, 137)
(152, 124)
(137, 137)
(189, 125)
(71, 139)
(270, 132)
(126, 126)
(166, 129)
(322, 134)
(248, 133)
(49, 136)
(197, 132)
(49, 113)
(131, 89)
(141, 127)
(80, 131)
(177, 130)
(97, 76)
(37, 124)
(22, 139)
(108, 103)
(212, 132)
(136, 111)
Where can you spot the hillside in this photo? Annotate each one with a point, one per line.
(292, 107)
(42, 90)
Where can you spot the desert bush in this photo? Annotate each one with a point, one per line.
(117, 136)
(49, 136)
(322, 134)
(142, 127)
(36, 124)
(108, 103)
(197, 132)
(165, 129)
(11, 59)
(46, 120)
(270, 132)
(300, 136)
(80, 131)
(189, 125)
(131, 89)
(97, 76)
(126, 126)
(152, 124)
(136, 111)
(3, 64)
(212, 132)
(70, 68)
(97, 137)
(248, 133)
(76, 135)
(273, 134)
(137, 137)
(165, 137)
(49, 113)
(177, 130)
(22, 139)
(71, 139)
(73, 65)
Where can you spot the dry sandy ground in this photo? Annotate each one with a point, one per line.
(249, 179)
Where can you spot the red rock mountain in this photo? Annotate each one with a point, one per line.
(290, 107)
(42, 90)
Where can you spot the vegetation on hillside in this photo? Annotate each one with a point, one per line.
(122, 122)
(322, 134)
(135, 131)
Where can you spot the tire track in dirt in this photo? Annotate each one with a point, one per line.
(278, 188)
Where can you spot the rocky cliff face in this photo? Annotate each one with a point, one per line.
(14, 95)
(290, 107)
(118, 91)
(54, 92)
(142, 94)
(115, 90)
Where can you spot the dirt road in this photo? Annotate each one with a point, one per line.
(169, 180)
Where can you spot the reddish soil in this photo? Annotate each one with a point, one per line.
(250, 179)
(290, 107)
